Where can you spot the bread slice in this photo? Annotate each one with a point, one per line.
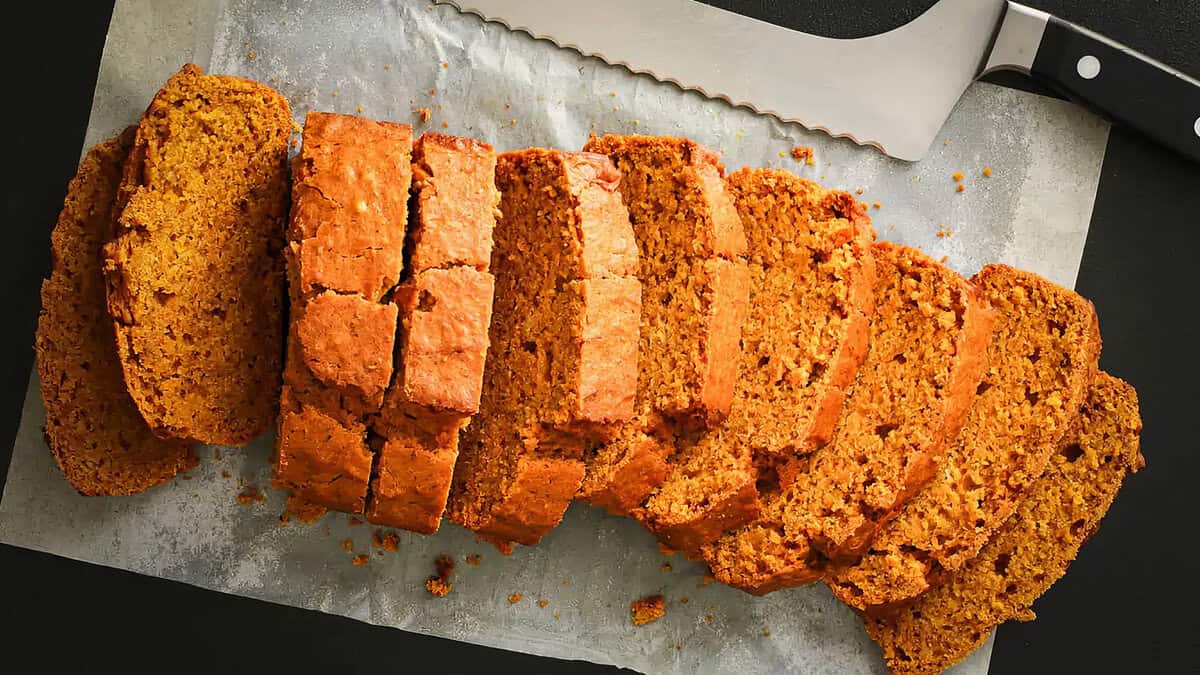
(1033, 548)
(445, 307)
(811, 278)
(1043, 353)
(346, 252)
(695, 290)
(927, 353)
(562, 360)
(195, 271)
(93, 428)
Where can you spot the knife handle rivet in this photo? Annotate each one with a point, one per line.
(1196, 126)
(1088, 67)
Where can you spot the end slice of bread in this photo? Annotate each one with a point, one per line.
(94, 430)
(1033, 548)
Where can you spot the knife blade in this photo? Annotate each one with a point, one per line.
(892, 91)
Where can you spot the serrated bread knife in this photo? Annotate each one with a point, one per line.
(893, 90)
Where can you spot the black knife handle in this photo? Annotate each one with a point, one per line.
(1122, 84)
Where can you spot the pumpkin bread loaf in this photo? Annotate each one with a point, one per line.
(927, 353)
(695, 290)
(811, 278)
(1043, 352)
(1031, 550)
(562, 357)
(93, 428)
(194, 272)
(347, 232)
(445, 304)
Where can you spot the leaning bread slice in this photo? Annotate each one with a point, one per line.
(1043, 352)
(195, 269)
(1032, 550)
(927, 352)
(346, 252)
(445, 305)
(562, 358)
(695, 289)
(94, 431)
(811, 278)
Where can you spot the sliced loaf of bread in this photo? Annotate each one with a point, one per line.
(195, 271)
(1031, 550)
(562, 357)
(347, 232)
(927, 352)
(93, 428)
(811, 296)
(1043, 353)
(695, 291)
(445, 303)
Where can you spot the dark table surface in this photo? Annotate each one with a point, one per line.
(1126, 604)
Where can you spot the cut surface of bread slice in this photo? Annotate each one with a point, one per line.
(445, 305)
(927, 352)
(562, 359)
(1042, 356)
(346, 252)
(695, 290)
(195, 272)
(811, 296)
(93, 428)
(1033, 548)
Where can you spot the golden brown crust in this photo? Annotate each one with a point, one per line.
(445, 309)
(562, 358)
(347, 232)
(1036, 382)
(93, 429)
(1031, 550)
(194, 271)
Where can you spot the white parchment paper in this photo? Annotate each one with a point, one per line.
(482, 80)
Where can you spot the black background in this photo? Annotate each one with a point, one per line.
(1127, 604)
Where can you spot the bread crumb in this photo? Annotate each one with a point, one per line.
(335, 92)
(987, 171)
(944, 232)
(445, 64)
(250, 495)
(385, 540)
(783, 153)
(433, 92)
(647, 610)
(251, 55)
(514, 598)
(566, 582)
(217, 454)
(683, 601)
(360, 560)
(944, 259)
(858, 191)
(439, 584)
(946, 142)
(303, 509)
(766, 633)
(708, 618)
(473, 559)
(284, 520)
(424, 113)
(803, 153)
(810, 162)
(507, 106)
(665, 567)
(665, 550)
(225, 474)
(360, 109)
(877, 205)
(962, 188)
(543, 602)
(708, 579)
(355, 522)
(387, 66)
(445, 125)
(512, 122)
(678, 645)
(295, 142)
(348, 545)
(612, 94)
(957, 176)
(636, 122)
(557, 616)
